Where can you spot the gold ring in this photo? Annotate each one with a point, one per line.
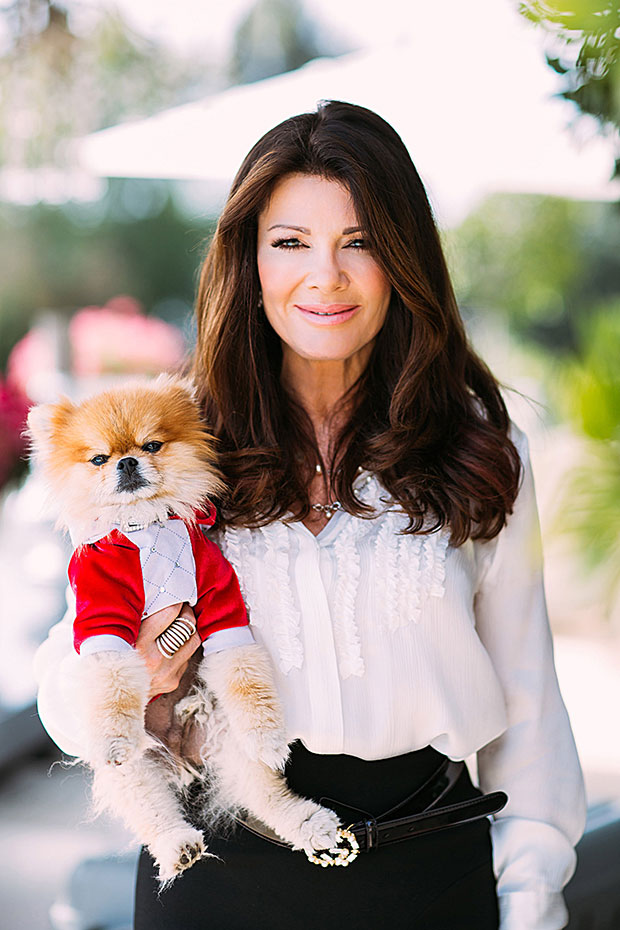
(175, 636)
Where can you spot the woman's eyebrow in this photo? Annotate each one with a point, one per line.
(303, 229)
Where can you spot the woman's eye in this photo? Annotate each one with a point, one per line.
(153, 446)
(357, 244)
(288, 244)
(99, 459)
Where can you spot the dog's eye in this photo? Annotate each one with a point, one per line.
(99, 459)
(153, 446)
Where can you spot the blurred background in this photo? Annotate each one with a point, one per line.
(121, 126)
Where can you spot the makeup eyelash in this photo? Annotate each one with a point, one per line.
(286, 244)
(292, 243)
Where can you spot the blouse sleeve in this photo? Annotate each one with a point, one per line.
(535, 760)
(56, 667)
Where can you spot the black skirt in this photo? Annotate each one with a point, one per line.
(438, 881)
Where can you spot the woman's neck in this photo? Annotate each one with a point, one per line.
(319, 386)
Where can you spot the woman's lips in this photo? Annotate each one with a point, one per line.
(328, 313)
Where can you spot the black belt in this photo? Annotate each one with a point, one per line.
(373, 832)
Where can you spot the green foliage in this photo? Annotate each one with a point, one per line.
(585, 50)
(135, 241)
(542, 263)
(592, 384)
(587, 390)
(591, 512)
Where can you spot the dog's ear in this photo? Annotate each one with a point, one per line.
(45, 418)
(185, 384)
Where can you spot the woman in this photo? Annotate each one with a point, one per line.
(382, 522)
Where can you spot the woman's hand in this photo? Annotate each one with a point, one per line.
(165, 673)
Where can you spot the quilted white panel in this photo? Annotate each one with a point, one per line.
(168, 567)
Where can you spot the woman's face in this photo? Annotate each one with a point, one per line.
(323, 292)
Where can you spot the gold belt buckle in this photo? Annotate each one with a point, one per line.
(339, 854)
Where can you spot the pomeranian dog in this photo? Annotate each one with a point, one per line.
(131, 472)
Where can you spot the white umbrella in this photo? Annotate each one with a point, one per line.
(474, 106)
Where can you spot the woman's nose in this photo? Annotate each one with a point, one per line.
(326, 273)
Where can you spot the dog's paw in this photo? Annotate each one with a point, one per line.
(189, 706)
(268, 746)
(176, 851)
(119, 750)
(320, 831)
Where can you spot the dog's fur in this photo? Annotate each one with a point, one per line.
(233, 699)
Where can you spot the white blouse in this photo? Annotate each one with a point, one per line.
(384, 643)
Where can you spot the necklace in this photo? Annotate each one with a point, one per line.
(328, 510)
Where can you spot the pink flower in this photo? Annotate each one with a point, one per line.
(116, 338)
(13, 411)
(119, 338)
(32, 355)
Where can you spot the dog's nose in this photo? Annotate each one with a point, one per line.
(127, 465)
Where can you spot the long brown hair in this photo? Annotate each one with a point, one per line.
(427, 415)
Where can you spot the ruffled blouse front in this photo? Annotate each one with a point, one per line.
(372, 632)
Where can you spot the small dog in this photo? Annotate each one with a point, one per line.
(131, 472)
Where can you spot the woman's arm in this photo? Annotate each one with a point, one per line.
(535, 760)
(56, 665)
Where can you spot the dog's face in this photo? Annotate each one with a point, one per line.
(141, 442)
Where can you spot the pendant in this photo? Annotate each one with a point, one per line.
(328, 510)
